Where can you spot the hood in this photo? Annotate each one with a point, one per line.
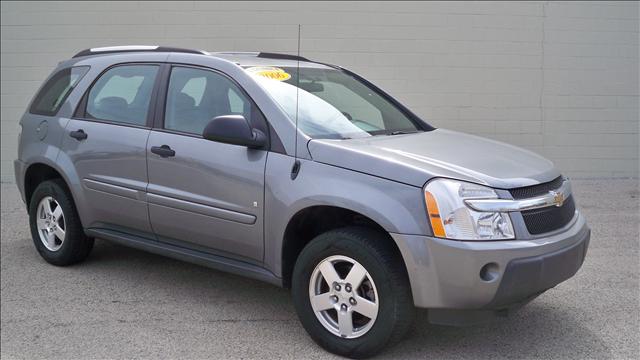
(416, 158)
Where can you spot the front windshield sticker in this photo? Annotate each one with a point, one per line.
(270, 72)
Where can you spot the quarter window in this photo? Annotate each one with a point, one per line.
(196, 96)
(122, 94)
(53, 94)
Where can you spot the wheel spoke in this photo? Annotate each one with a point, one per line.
(356, 275)
(51, 239)
(345, 322)
(59, 233)
(46, 205)
(329, 272)
(41, 223)
(322, 302)
(57, 212)
(366, 307)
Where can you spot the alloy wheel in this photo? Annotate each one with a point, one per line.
(343, 296)
(51, 224)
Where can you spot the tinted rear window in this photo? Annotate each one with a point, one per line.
(122, 94)
(53, 94)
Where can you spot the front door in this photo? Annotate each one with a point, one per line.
(107, 144)
(204, 194)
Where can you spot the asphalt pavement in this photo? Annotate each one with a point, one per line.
(124, 303)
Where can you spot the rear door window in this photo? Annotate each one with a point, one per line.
(123, 94)
(55, 91)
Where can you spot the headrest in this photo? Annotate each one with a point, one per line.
(184, 101)
(112, 102)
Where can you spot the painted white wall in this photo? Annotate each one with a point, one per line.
(559, 78)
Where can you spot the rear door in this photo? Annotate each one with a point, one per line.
(204, 194)
(106, 142)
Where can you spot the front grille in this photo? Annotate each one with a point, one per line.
(536, 190)
(539, 221)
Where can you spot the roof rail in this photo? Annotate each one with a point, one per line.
(265, 55)
(135, 48)
(269, 55)
(247, 53)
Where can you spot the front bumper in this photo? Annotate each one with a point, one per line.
(448, 274)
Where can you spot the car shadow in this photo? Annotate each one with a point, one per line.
(539, 330)
(535, 331)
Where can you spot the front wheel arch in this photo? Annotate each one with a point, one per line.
(315, 220)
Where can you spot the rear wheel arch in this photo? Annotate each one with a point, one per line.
(41, 169)
(37, 173)
(312, 221)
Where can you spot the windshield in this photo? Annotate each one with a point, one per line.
(332, 103)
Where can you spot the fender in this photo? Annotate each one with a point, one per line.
(396, 207)
(74, 182)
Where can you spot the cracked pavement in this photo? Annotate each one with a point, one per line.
(124, 303)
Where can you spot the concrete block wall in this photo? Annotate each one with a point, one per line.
(559, 78)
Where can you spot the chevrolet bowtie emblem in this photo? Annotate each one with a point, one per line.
(558, 198)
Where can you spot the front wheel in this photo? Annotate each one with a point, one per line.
(351, 292)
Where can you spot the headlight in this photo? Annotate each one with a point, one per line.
(451, 218)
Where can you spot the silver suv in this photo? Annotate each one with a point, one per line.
(297, 173)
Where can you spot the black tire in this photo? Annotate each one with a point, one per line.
(76, 245)
(377, 253)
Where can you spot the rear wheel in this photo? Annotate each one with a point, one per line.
(55, 226)
(351, 292)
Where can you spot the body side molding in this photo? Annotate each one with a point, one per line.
(196, 257)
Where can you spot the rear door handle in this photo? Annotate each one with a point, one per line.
(78, 135)
(164, 151)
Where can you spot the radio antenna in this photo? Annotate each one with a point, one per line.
(296, 164)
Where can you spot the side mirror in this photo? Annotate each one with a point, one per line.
(234, 129)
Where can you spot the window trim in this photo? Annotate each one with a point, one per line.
(40, 93)
(161, 103)
(81, 110)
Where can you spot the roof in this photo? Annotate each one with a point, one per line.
(240, 58)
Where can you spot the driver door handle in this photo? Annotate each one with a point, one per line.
(164, 151)
(78, 135)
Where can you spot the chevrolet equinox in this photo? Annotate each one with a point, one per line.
(298, 173)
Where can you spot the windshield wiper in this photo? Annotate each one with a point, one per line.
(400, 132)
